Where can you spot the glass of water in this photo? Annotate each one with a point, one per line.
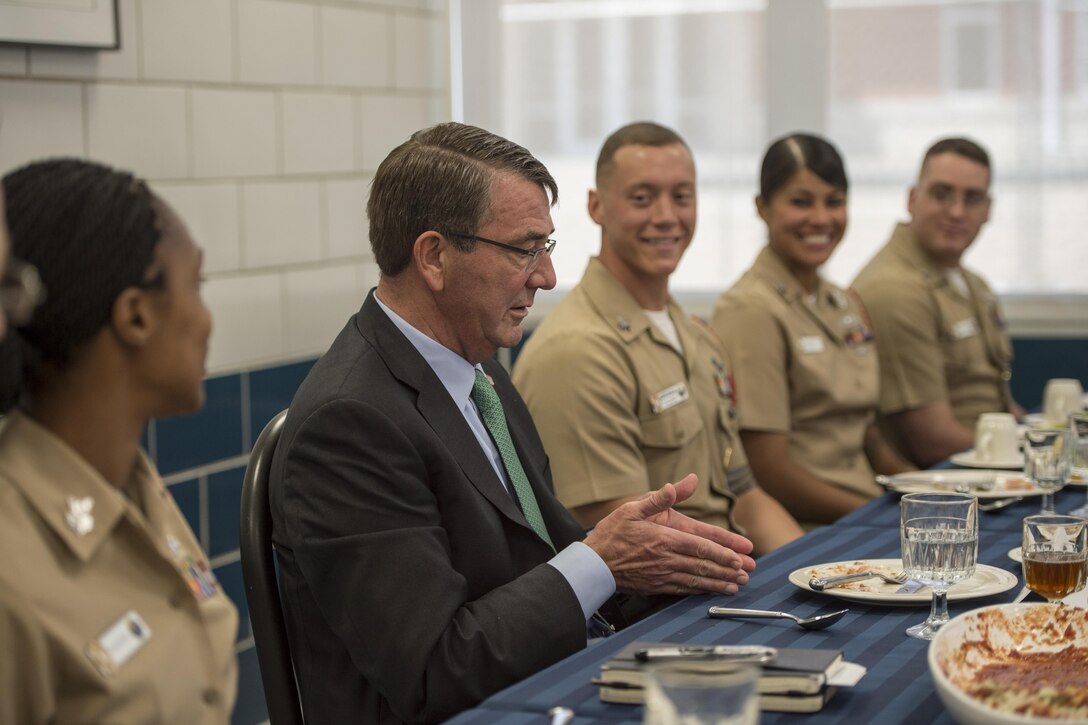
(938, 534)
(1078, 464)
(1047, 458)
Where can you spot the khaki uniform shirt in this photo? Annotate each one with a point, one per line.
(934, 343)
(621, 412)
(805, 367)
(108, 613)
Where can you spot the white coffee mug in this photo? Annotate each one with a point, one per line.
(1061, 396)
(995, 438)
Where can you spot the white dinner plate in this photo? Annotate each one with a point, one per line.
(1035, 420)
(986, 581)
(1001, 484)
(969, 459)
(1038, 420)
(1017, 554)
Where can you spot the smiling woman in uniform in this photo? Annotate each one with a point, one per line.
(109, 611)
(804, 364)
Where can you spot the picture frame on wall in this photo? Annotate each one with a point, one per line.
(70, 23)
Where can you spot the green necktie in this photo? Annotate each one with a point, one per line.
(487, 400)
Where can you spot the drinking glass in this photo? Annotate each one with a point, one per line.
(939, 538)
(1078, 463)
(1054, 555)
(1047, 455)
(678, 693)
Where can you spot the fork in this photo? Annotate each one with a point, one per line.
(821, 583)
(998, 504)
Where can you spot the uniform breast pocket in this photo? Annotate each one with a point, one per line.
(813, 373)
(673, 428)
(962, 345)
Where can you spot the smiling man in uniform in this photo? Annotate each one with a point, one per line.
(945, 357)
(624, 386)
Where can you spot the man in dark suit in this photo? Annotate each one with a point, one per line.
(425, 562)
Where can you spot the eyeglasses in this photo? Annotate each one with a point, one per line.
(21, 291)
(532, 256)
(947, 196)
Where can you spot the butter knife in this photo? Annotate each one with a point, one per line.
(938, 482)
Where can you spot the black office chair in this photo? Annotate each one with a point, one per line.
(262, 591)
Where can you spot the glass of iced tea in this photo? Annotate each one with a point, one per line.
(1054, 554)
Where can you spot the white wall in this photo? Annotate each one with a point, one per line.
(261, 122)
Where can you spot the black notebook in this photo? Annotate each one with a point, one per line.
(795, 681)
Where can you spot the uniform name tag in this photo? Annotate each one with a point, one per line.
(965, 328)
(116, 646)
(669, 397)
(811, 343)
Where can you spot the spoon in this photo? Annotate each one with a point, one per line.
(561, 715)
(820, 621)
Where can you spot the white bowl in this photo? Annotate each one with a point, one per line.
(976, 638)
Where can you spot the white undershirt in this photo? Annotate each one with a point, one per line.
(664, 323)
(955, 278)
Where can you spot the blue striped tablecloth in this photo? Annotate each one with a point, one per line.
(897, 687)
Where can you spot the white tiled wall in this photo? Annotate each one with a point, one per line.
(318, 132)
(139, 127)
(187, 41)
(282, 223)
(234, 132)
(261, 122)
(277, 42)
(318, 303)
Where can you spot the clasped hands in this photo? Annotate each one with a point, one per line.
(653, 549)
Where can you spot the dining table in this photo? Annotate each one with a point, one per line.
(897, 686)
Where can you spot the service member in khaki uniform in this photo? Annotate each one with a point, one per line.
(802, 351)
(626, 390)
(945, 357)
(109, 611)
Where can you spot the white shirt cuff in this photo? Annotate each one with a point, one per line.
(587, 575)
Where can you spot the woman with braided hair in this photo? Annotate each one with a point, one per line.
(109, 611)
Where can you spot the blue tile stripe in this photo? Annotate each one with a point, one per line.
(203, 459)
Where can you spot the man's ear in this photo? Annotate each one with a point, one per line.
(430, 255)
(133, 317)
(593, 205)
(912, 196)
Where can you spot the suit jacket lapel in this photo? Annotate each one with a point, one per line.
(435, 405)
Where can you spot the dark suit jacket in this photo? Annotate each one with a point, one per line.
(413, 586)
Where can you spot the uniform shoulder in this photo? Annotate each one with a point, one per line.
(977, 279)
(23, 538)
(892, 285)
(573, 325)
(568, 348)
(886, 265)
(754, 305)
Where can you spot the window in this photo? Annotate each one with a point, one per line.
(881, 78)
(970, 55)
